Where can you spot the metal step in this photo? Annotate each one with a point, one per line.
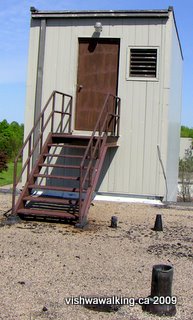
(46, 213)
(58, 166)
(51, 200)
(54, 188)
(51, 176)
(63, 155)
(58, 137)
(65, 145)
(69, 136)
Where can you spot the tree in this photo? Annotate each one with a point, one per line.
(3, 161)
(186, 132)
(186, 175)
(11, 138)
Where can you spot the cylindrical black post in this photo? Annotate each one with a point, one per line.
(114, 222)
(162, 302)
(158, 223)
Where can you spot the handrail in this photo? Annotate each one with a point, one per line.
(34, 142)
(108, 122)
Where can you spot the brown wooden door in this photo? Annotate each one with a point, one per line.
(97, 76)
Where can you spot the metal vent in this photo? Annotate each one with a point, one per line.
(143, 63)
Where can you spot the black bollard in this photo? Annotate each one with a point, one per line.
(161, 301)
(158, 223)
(114, 222)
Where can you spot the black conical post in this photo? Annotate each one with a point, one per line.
(161, 283)
(158, 223)
(114, 222)
(162, 302)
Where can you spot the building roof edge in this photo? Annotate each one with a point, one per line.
(35, 13)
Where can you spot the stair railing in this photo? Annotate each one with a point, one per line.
(48, 121)
(108, 124)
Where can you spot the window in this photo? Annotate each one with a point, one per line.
(143, 63)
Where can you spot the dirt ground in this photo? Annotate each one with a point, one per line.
(44, 263)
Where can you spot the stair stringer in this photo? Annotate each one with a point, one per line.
(84, 208)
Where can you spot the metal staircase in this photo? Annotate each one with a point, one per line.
(62, 169)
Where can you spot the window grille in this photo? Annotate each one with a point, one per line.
(143, 63)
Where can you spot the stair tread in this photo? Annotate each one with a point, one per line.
(67, 145)
(48, 213)
(47, 199)
(35, 186)
(70, 136)
(63, 155)
(58, 165)
(56, 177)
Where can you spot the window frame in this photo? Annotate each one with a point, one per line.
(128, 64)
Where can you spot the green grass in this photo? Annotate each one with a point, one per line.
(6, 177)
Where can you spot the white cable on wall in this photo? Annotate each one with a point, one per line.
(163, 170)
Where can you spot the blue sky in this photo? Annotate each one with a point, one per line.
(14, 40)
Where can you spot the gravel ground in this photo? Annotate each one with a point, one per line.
(44, 263)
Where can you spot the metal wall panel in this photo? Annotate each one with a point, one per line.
(174, 114)
(31, 83)
(32, 74)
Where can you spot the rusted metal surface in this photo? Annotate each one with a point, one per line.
(47, 213)
(97, 76)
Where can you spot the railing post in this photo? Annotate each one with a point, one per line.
(107, 116)
(29, 157)
(53, 109)
(41, 133)
(115, 116)
(14, 186)
(105, 128)
(80, 191)
(62, 114)
(118, 121)
(91, 159)
(70, 117)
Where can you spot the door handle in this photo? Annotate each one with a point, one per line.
(79, 87)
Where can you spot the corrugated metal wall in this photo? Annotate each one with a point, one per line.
(134, 167)
(174, 114)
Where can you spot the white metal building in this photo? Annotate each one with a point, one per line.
(138, 57)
